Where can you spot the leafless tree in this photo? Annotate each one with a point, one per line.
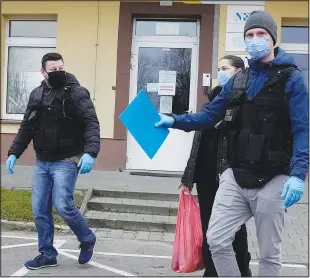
(16, 91)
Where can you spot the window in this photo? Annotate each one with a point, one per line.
(294, 39)
(165, 27)
(27, 41)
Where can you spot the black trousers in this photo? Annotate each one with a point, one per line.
(206, 190)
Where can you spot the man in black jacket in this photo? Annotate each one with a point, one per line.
(61, 120)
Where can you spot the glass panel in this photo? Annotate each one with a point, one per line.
(23, 76)
(33, 28)
(302, 61)
(295, 35)
(156, 64)
(166, 28)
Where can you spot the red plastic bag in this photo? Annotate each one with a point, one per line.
(187, 245)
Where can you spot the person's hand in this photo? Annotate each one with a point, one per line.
(292, 191)
(185, 187)
(10, 163)
(165, 121)
(86, 164)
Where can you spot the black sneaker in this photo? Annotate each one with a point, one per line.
(39, 262)
(87, 251)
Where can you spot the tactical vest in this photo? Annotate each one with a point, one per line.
(58, 134)
(257, 140)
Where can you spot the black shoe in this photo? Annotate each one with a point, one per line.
(87, 251)
(210, 273)
(40, 262)
(248, 273)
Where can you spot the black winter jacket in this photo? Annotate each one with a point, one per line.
(202, 162)
(84, 113)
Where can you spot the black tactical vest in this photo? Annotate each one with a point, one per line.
(257, 141)
(59, 135)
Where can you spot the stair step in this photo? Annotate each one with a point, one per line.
(172, 197)
(133, 206)
(131, 221)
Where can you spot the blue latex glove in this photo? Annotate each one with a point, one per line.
(86, 164)
(10, 163)
(292, 191)
(165, 121)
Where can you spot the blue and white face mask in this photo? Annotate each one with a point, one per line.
(223, 77)
(258, 48)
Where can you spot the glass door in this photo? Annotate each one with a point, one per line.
(168, 72)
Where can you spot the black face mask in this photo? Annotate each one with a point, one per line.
(57, 78)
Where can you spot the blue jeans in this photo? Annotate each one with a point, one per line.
(53, 184)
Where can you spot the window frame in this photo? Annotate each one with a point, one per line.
(165, 38)
(20, 42)
(295, 48)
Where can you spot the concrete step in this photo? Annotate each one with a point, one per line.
(131, 221)
(171, 197)
(163, 174)
(133, 206)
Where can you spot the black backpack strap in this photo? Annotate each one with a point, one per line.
(240, 83)
(64, 93)
(279, 75)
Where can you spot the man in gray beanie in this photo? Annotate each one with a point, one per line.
(265, 153)
(261, 19)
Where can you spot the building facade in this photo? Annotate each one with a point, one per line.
(115, 49)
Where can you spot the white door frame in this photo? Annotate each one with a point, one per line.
(193, 44)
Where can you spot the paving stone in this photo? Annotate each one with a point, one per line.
(103, 232)
(168, 237)
(291, 251)
(291, 259)
(156, 236)
(115, 233)
(128, 235)
(143, 235)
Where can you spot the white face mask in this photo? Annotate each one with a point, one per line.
(223, 77)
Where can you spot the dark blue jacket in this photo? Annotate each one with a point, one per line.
(298, 106)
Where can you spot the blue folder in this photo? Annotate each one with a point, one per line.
(139, 118)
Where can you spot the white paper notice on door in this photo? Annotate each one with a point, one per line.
(166, 89)
(166, 104)
(167, 76)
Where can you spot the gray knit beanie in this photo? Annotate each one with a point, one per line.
(261, 19)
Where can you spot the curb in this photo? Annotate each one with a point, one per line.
(29, 226)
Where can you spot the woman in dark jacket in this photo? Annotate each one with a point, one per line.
(202, 169)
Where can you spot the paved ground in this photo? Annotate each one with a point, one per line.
(295, 235)
(122, 257)
(295, 247)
